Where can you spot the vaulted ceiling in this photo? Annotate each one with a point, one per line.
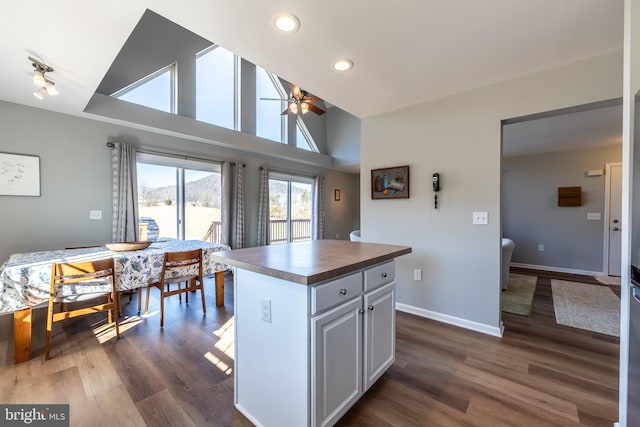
(404, 52)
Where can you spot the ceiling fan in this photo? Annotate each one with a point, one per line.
(300, 102)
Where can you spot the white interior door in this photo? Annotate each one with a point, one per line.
(613, 226)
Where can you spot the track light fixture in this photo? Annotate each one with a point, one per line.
(47, 86)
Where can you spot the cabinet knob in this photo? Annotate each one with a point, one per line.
(384, 274)
(343, 291)
(361, 311)
(370, 308)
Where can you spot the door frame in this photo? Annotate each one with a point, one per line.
(607, 208)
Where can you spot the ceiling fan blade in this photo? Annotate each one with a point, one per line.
(285, 112)
(318, 111)
(312, 98)
(295, 91)
(273, 99)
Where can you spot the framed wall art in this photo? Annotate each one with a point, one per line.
(19, 175)
(390, 183)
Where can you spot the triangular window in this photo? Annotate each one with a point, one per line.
(304, 139)
(270, 124)
(154, 91)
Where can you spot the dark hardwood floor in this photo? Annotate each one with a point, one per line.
(537, 374)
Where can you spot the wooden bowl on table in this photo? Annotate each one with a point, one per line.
(128, 246)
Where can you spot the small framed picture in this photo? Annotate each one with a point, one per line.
(19, 175)
(390, 183)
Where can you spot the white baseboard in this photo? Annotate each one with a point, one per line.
(556, 269)
(452, 320)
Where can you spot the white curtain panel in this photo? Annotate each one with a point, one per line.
(318, 197)
(125, 193)
(263, 208)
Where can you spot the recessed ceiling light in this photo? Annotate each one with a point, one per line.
(286, 22)
(343, 64)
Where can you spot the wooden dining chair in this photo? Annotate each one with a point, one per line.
(79, 282)
(130, 291)
(179, 267)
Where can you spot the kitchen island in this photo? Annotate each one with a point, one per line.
(314, 327)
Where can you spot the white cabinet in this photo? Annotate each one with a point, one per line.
(379, 332)
(352, 344)
(337, 361)
(319, 349)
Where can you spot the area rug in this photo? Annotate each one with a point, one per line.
(591, 307)
(607, 280)
(518, 297)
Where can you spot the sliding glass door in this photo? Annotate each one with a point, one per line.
(290, 208)
(178, 199)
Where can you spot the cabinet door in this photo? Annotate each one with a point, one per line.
(379, 332)
(336, 364)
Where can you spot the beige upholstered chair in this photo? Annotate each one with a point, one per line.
(507, 251)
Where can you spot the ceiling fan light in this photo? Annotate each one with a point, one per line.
(50, 87)
(286, 22)
(293, 108)
(304, 107)
(38, 78)
(40, 93)
(343, 64)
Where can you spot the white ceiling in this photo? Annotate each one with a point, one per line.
(405, 52)
(576, 129)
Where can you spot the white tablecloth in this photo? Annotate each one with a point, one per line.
(25, 278)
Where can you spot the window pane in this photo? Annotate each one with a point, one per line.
(154, 93)
(157, 201)
(301, 140)
(215, 88)
(290, 206)
(278, 206)
(202, 205)
(269, 122)
(300, 211)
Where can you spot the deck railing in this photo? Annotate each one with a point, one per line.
(214, 232)
(300, 229)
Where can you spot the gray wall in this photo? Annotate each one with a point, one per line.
(343, 137)
(75, 177)
(460, 137)
(531, 214)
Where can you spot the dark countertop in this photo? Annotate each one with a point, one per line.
(313, 261)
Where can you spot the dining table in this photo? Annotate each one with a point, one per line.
(25, 277)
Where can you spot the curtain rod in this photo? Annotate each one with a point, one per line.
(290, 173)
(175, 156)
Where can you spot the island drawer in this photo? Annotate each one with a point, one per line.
(335, 292)
(380, 275)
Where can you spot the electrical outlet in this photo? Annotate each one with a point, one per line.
(95, 214)
(266, 310)
(540, 247)
(417, 274)
(481, 218)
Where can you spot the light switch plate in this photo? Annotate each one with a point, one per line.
(481, 218)
(266, 310)
(95, 214)
(593, 216)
